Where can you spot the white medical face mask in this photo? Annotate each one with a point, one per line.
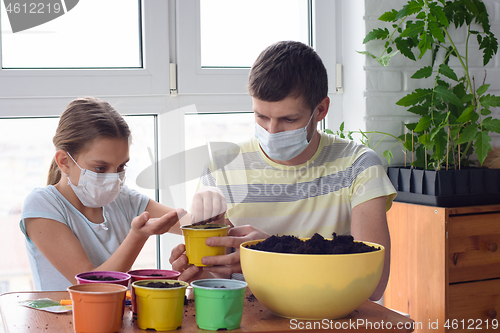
(283, 146)
(97, 189)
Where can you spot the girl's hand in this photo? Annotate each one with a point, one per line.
(209, 202)
(144, 226)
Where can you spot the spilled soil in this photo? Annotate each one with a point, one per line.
(317, 244)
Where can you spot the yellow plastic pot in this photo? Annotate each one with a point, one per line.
(311, 286)
(195, 237)
(159, 308)
(97, 307)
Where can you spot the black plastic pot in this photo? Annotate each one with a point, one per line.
(446, 188)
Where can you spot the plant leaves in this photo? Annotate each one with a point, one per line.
(424, 44)
(376, 34)
(423, 124)
(413, 29)
(436, 32)
(384, 60)
(423, 72)
(404, 47)
(466, 114)
(388, 155)
(440, 15)
(485, 112)
(489, 45)
(482, 145)
(466, 99)
(389, 16)
(448, 72)
(411, 8)
(367, 53)
(439, 145)
(447, 95)
(467, 134)
(489, 100)
(481, 90)
(418, 109)
(492, 125)
(418, 96)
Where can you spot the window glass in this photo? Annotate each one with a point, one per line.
(26, 151)
(215, 127)
(81, 34)
(233, 33)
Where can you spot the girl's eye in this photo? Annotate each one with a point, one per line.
(100, 169)
(262, 117)
(121, 168)
(289, 120)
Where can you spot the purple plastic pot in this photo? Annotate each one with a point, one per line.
(123, 278)
(145, 274)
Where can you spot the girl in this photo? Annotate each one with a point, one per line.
(86, 219)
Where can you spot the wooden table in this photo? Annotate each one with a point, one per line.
(256, 318)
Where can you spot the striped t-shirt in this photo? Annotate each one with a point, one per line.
(300, 200)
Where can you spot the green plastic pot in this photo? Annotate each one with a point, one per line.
(218, 308)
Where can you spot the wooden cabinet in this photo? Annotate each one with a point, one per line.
(445, 266)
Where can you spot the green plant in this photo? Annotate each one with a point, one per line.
(455, 120)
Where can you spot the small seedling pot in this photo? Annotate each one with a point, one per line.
(159, 308)
(195, 238)
(121, 278)
(218, 303)
(97, 307)
(148, 274)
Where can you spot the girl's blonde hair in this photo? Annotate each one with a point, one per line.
(84, 120)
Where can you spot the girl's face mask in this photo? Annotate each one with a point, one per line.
(97, 189)
(283, 146)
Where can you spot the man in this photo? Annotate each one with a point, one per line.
(294, 179)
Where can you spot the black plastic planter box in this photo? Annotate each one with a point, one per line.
(446, 188)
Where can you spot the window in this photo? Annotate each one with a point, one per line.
(27, 151)
(202, 128)
(222, 38)
(230, 37)
(72, 40)
(144, 69)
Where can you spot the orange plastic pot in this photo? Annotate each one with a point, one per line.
(97, 307)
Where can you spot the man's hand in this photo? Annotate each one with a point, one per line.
(208, 203)
(224, 265)
(230, 263)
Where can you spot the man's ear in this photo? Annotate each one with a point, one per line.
(63, 161)
(322, 108)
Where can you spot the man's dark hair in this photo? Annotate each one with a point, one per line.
(288, 68)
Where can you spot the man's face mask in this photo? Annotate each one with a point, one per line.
(283, 146)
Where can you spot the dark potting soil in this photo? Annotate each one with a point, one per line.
(219, 287)
(154, 274)
(100, 278)
(162, 285)
(343, 244)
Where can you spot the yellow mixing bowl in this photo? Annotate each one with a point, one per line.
(311, 286)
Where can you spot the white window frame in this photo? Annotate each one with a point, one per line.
(45, 92)
(193, 79)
